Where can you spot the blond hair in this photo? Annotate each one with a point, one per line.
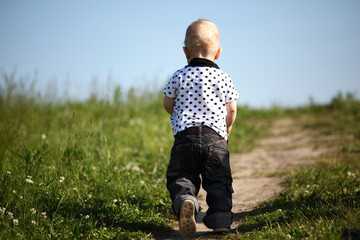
(202, 36)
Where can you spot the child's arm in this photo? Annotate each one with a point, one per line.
(231, 109)
(169, 104)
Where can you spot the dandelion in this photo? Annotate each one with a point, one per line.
(15, 221)
(350, 174)
(33, 210)
(43, 136)
(43, 214)
(33, 222)
(136, 168)
(28, 180)
(10, 215)
(2, 211)
(62, 178)
(14, 191)
(87, 217)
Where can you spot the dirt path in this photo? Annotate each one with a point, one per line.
(258, 174)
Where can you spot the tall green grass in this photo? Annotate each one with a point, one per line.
(79, 170)
(320, 201)
(93, 169)
(96, 169)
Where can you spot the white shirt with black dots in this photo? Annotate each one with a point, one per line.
(201, 91)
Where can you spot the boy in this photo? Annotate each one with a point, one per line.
(201, 99)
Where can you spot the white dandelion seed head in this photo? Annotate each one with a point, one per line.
(28, 180)
(62, 178)
(2, 211)
(33, 210)
(10, 215)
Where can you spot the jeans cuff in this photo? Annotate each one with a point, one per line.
(178, 201)
(218, 220)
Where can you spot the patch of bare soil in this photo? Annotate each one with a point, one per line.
(258, 175)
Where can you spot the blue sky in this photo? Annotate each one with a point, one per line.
(277, 52)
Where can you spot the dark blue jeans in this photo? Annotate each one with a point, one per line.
(207, 155)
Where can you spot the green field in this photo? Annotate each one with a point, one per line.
(322, 200)
(96, 169)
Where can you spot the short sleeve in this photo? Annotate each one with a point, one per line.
(232, 94)
(170, 89)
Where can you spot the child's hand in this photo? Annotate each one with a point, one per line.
(229, 130)
(169, 104)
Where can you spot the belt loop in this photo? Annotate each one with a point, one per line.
(199, 131)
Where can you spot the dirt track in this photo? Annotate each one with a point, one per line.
(258, 174)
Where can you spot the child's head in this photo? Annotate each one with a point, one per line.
(202, 40)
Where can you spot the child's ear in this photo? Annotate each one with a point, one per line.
(186, 51)
(218, 52)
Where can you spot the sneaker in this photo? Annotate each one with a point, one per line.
(187, 224)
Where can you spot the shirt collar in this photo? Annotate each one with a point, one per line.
(202, 62)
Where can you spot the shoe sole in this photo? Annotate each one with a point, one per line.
(187, 224)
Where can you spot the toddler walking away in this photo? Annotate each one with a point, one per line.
(201, 99)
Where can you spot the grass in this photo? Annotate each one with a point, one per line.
(83, 170)
(96, 169)
(321, 200)
(92, 169)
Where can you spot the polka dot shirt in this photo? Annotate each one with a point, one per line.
(201, 91)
